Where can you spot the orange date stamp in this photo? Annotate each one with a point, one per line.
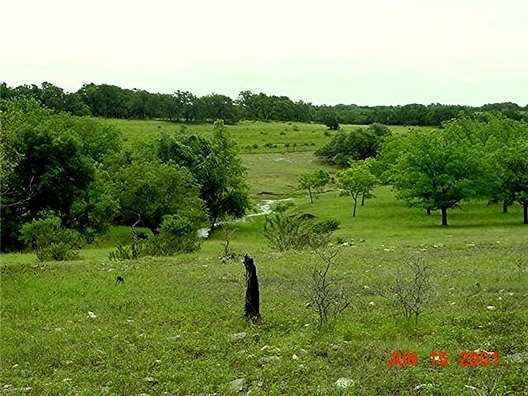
(441, 359)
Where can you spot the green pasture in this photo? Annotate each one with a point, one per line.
(174, 326)
(252, 136)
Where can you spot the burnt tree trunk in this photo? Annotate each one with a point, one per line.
(252, 306)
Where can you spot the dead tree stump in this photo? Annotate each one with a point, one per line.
(252, 306)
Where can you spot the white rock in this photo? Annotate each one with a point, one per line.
(91, 315)
(490, 307)
(295, 357)
(238, 384)
(344, 383)
(268, 359)
(151, 380)
(236, 336)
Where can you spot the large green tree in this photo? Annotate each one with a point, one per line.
(514, 175)
(501, 142)
(216, 166)
(437, 169)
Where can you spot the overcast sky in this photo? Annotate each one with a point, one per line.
(368, 52)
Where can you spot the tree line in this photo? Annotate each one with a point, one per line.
(110, 101)
(66, 179)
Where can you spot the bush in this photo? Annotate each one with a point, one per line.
(176, 234)
(127, 252)
(50, 240)
(327, 226)
(326, 297)
(284, 232)
(297, 232)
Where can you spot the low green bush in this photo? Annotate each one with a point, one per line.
(50, 240)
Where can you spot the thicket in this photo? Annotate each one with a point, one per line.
(358, 144)
(69, 176)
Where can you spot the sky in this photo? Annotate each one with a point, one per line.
(366, 52)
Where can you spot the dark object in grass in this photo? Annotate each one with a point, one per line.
(252, 306)
(119, 279)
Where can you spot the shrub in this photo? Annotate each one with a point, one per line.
(285, 232)
(175, 234)
(50, 240)
(325, 296)
(297, 232)
(327, 226)
(127, 252)
(409, 292)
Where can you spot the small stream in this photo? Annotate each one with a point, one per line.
(264, 208)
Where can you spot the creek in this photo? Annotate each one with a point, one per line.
(265, 207)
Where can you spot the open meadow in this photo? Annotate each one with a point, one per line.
(252, 136)
(175, 325)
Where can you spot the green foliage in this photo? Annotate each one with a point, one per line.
(297, 232)
(357, 180)
(50, 240)
(315, 180)
(466, 159)
(49, 163)
(148, 191)
(216, 166)
(127, 252)
(514, 174)
(104, 100)
(325, 227)
(358, 144)
(285, 232)
(175, 234)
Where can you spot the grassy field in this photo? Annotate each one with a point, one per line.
(252, 136)
(175, 325)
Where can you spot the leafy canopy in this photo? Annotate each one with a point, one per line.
(216, 166)
(49, 162)
(436, 169)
